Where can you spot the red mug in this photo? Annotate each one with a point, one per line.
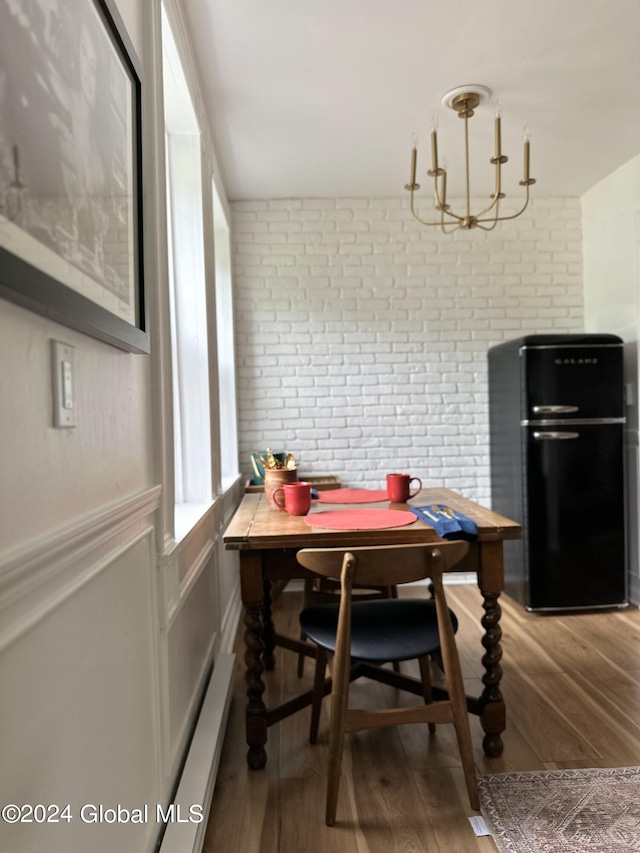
(296, 497)
(399, 487)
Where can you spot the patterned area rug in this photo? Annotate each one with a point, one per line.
(563, 811)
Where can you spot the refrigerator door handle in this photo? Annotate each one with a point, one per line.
(554, 410)
(555, 436)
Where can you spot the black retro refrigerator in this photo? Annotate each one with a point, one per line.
(556, 420)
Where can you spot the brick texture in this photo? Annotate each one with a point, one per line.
(362, 336)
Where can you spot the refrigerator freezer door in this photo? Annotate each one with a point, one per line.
(574, 525)
(570, 382)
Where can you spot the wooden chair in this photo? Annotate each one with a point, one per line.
(327, 590)
(385, 630)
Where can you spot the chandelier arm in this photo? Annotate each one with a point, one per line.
(455, 225)
(417, 218)
(455, 228)
(453, 215)
(513, 216)
(443, 224)
(495, 219)
(436, 195)
(494, 222)
(496, 197)
(440, 202)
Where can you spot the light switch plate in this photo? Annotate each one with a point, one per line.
(63, 376)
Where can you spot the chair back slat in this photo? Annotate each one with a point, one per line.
(386, 564)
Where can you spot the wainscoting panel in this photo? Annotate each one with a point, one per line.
(192, 640)
(40, 575)
(80, 691)
(228, 595)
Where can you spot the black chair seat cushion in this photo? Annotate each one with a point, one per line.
(381, 630)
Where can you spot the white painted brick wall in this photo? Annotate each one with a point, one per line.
(362, 336)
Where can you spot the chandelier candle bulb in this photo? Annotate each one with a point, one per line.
(412, 185)
(498, 137)
(434, 151)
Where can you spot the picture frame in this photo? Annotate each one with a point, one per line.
(71, 168)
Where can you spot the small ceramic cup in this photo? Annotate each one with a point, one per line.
(276, 477)
(399, 487)
(296, 497)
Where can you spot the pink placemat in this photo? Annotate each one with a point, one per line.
(359, 519)
(352, 496)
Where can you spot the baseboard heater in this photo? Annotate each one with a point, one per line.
(201, 767)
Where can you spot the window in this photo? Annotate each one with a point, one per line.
(187, 286)
(225, 341)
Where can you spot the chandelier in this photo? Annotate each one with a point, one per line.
(464, 100)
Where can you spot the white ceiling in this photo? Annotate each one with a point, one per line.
(312, 98)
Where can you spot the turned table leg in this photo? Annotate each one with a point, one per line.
(491, 581)
(256, 712)
(268, 631)
(493, 712)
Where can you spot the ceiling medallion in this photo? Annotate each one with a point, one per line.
(464, 100)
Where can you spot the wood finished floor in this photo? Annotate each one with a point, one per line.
(572, 688)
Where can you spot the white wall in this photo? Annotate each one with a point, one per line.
(611, 227)
(362, 336)
(109, 629)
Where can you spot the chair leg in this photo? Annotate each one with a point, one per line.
(339, 703)
(436, 657)
(301, 658)
(425, 677)
(341, 674)
(392, 592)
(308, 588)
(318, 693)
(455, 688)
(463, 733)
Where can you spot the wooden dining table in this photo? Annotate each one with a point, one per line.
(267, 541)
